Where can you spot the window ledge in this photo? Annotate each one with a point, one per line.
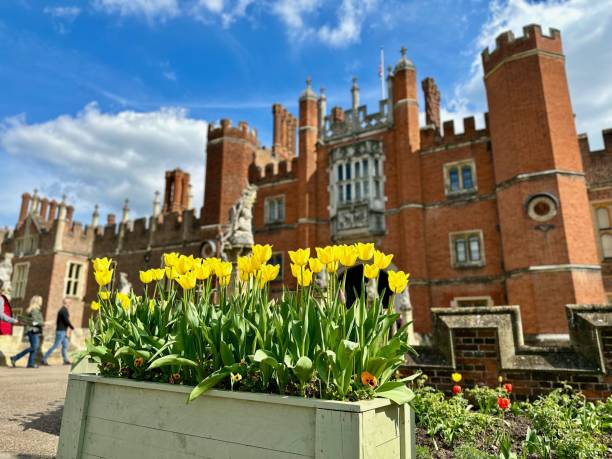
(461, 193)
(468, 265)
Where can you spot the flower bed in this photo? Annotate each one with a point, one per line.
(487, 423)
(204, 324)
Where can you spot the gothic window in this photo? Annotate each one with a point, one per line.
(20, 279)
(606, 245)
(274, 209)
(73, 279)
(353, 181)
(460, 177)
(467, 249)
(603, 218)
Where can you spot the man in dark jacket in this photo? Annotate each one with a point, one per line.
(61, 333)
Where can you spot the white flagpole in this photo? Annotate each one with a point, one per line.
(381, 73)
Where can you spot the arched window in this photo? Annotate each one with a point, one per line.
(606, 245)
(603, 218)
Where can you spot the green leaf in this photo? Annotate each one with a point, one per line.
(266, 357)
(396, 391)
(227, 354)
(208, 383)
(172, 360)
(303, 369)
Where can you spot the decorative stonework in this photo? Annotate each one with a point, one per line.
(6, 273)
(352, 123)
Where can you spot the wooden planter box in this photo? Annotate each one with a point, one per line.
(122, 418)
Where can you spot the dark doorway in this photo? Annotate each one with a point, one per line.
(354, 282)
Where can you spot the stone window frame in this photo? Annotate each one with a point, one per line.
(542, 198)
(19, 286)
(459, 166)
(455, 302)
(75, 282)
(267, 203)
(281, 262)
(602, 232)
(467, 235)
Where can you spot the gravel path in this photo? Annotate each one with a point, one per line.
(31, 414)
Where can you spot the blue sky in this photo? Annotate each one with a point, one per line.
(99, 97)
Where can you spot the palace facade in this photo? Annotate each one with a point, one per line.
(517, 212)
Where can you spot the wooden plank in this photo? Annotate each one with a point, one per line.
(284, 427)
(382, 425)
(338, 435)
(388, 450)
(123, 441)
(407, 433)
(357, 407)
(74, 419)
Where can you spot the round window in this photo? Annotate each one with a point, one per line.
(542, 207)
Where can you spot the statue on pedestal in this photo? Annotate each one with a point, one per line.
(6, 273)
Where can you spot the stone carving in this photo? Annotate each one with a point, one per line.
(239, 234)
(336, 126)
(6, 273)
(352, 218)
(125, 286)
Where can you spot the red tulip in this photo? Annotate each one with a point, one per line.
(503, 403)
(508, 388)
(456, 390)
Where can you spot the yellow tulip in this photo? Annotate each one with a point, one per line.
(456, 377)
(315, 265)
(171, 259)
(295, 270)
(332, 267)
(224, 281)
(187, 281)
(371, 271)
(95, 305)
(202, 272)
(381, 260)
(300, 256)
(365, 251)
(348, 256)
(245, 266)
(146, 277)
(267, 273)
(101, 264)
(338, 251)
(124, 300)
(304, 278)
(398, 280)
(104, 295)
(103, 277)
(151, 306)
(325, 254)
(224, 269)
(171, 273)
(185, 264)
(261, 254)
(157, 274)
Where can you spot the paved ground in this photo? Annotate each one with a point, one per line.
(31, 410)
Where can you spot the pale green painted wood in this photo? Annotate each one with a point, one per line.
(117, 418)
(407, 432)
(74, 419)
(287, 428)
(338, 435)
(130, 441)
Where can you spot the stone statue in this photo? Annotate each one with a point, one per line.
(125, 286)
(6, 273)
(239, 234)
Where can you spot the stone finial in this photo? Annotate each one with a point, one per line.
(308, 92)
(190, 197)
(95, 217)
(126, 211)
(404, 62)
(156, 205)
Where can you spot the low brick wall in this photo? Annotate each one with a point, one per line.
(485, 343)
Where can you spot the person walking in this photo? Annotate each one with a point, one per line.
(6, 319)
(61, 333)
(34, 330)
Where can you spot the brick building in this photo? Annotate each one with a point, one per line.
(518, 212)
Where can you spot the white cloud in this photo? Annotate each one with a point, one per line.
(62, 17)
(150, 9)
(586, 31)
(102, 158)
(351, 15)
